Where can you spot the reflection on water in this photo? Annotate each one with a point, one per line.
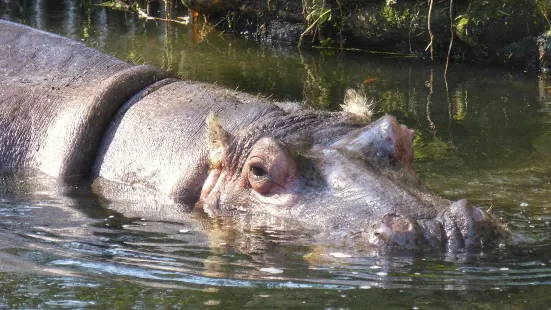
(482, 134)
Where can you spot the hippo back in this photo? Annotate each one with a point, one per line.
(56, 98)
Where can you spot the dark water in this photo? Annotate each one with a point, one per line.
(483, 134)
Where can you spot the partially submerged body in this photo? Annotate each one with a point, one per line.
(71, 111)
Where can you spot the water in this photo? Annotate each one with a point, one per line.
(483, 134)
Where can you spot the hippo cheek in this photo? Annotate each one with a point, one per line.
(247, 199)
(211, 193)
(280, 201)
(210, 205)
(210, 183)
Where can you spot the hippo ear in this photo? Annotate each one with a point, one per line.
(218, 140)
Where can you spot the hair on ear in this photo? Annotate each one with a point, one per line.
(356, 102)
(218, 140)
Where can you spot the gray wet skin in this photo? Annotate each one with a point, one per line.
(354, 186)
(73, 112)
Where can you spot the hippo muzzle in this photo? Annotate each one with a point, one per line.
(460, 227)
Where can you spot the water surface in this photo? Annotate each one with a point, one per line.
(481, 134)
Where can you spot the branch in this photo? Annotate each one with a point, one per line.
(430, 30)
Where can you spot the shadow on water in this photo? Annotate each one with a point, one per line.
(484, 134)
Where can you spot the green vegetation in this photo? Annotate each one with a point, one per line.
(394, 16)
(485, 30)
(118, 5)
(433, 148)
(543, 7)
(319, 15)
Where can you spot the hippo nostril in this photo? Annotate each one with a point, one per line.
(397, 231)
(397, 223)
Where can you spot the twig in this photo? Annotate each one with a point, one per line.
(354, 49)
(451, 39)
(143, 14)
(430, 30)
(446, 74)
(432, 126)
(312, 26)
(411, 26)
(545, 16)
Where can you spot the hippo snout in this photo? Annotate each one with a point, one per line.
(469, 227)
(460, 227)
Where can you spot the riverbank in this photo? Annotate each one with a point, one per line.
(512, 33)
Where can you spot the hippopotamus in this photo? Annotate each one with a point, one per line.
(73, 112)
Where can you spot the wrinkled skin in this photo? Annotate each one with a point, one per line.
(71, 111)
(357, 189)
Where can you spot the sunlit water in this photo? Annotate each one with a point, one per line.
(482, 134)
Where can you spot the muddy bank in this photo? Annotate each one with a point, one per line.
(509, 32)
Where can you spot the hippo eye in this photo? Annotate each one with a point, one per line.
(260, 180)
(258, 172)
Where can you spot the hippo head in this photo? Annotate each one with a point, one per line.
(349, 181)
